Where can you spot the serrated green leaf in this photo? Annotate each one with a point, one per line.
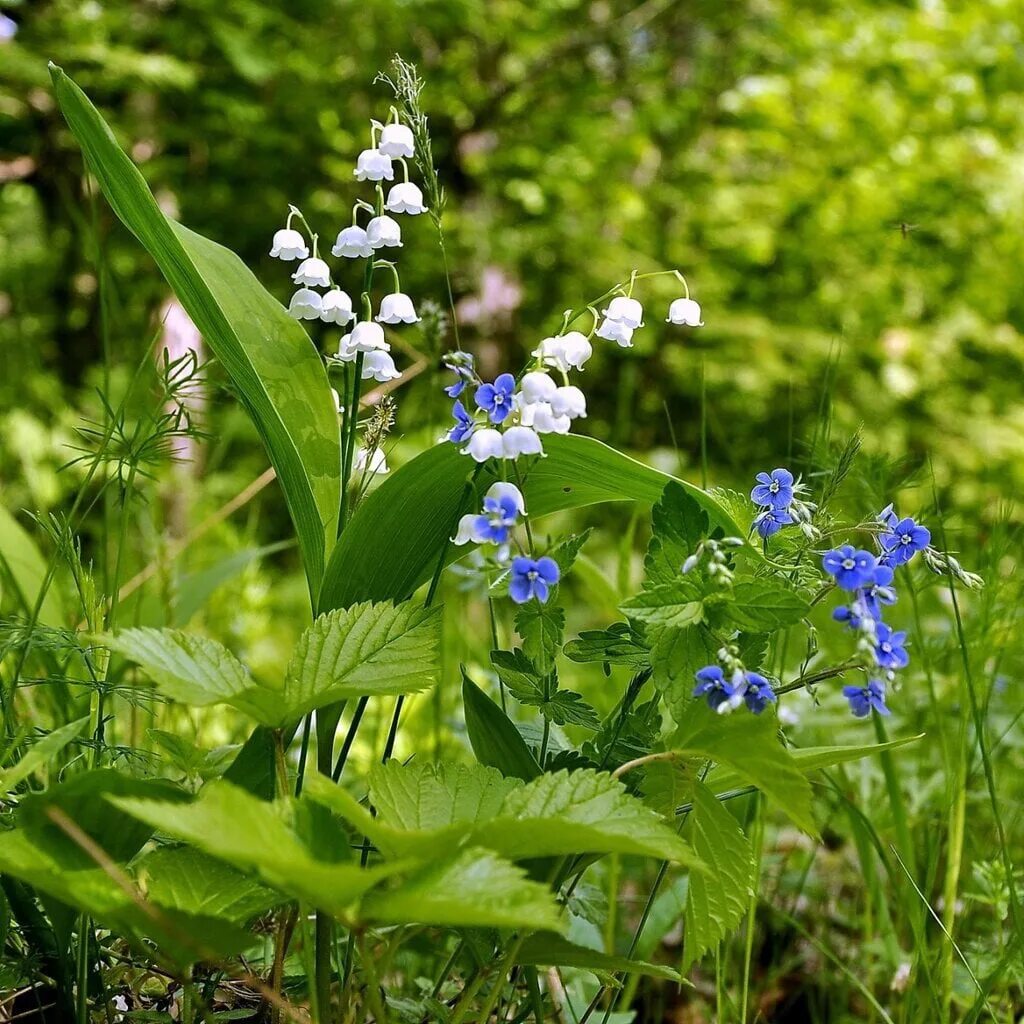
(196, 670)
(495, 740)
(541, 627)
(678, 524)
(546, 950)
(524, 683)
(366, 650)
(676, 604)
(749, 745)
(269, 357)
(715, 901)
(40, 753)
(676, 654)
(474, 889)
(619, 644)
(566, 707)
(759, 606)
(273, 840)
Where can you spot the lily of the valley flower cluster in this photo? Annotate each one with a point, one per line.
(320, 297)
(505, 419)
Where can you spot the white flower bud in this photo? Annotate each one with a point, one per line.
(313, 272)
(373, 165)
(625, 311)
(518, 441)
(685, 311)
(305, 305)
(484, 444)
(396, 140)
(397, 308)
(379, 366)
(383, 231)
(336, 307)
(536, 386)
(405, 197)
(569, 401)
(540, 417)
(289, 245)
(565, 351)
(620, 333)
(352, 243)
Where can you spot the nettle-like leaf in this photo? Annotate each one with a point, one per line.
(366, 650)
(676, 654)
(678, 524)
(678, 603)
(541, 627)
(619, 644)
(473, 889)
(529, 687)
(758, 606)
(749, 745)
(717, 900)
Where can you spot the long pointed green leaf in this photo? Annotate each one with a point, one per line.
(269, 357)
(392, 544)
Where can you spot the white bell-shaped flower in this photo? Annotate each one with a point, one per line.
(353, 243)
(289, 245)
(685, 311)
(468, 530)
(305, 305)
(484, 444)
(565, 351)
(379, 365)
(521, 440)
(373, 165)
(569, 401)
(336, 307)
(382, 231)
(371, 463)
(313, 273)
(397, 308)
(405, 197)
(396, 140)
(365, 337)
(626, 311)
(536, 386)
(541, 418)
(501, 490)
(620, 333)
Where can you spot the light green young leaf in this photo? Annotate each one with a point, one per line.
(749, 745)
(473, 889)
(365, 650)
(269, 357)
(40, 753)
(717, 900)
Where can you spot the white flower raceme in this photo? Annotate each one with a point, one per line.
(569, 401)
(405, 197)
(485, 444)
(382, 231)
(336, 307)
(536, 386)
(289, 245)
(396, 140)
(378, 463)
(313, 272)
(379, 365)
(685, 311)
(565, 351)
(626, 311)
(542, 418)
(397, 308)
(365, 337)
(353, 243)
(305, 305)
(373, 165)
(617, 332)
(521, 440)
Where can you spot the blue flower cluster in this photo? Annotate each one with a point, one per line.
(774, 494)
(742, 687)
(868, 578)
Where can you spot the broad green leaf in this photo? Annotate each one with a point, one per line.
(811, 759)
(715, 901)
(428, 796)
(546, 950)
(676, 604)
(253, 768)
(365, 650)
(40, 753)
(749, 745)
(196, 670)
(270, 839)
(27, 569)
(183, 878)
(385, 554)
(473, 889)
(271, 361)
(759, 606)
(495, 740)
(585, 811)
(678, 524)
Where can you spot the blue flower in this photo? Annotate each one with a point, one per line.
(496, 398)
(532, 578)
(851, 568)
(865, 698)
(903, 540)
(853, 616)
(461, 364)
(498, 520)
(775, 489)
(771, 520)
(887, 517)
(711, 684)
(463, 424)
(759, 693)
(878, 592)
(889, 650)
